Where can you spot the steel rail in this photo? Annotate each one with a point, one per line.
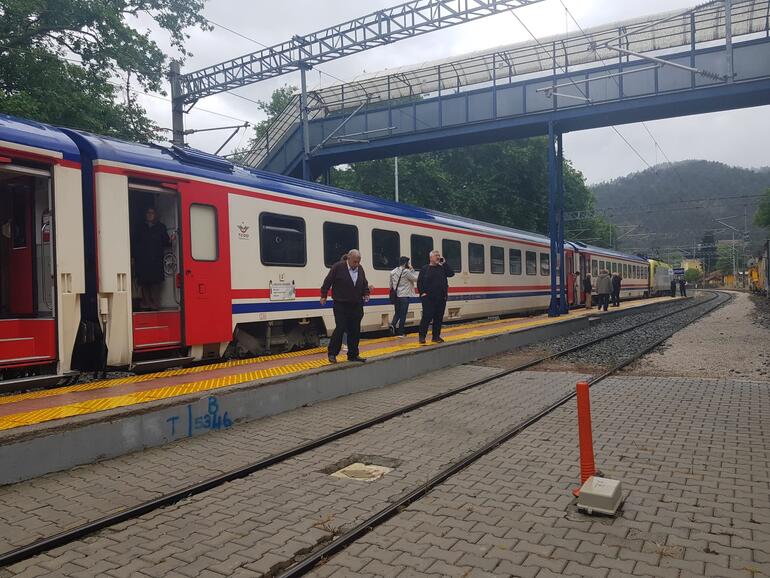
(308, 563)
(68, 536)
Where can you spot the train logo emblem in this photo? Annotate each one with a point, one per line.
(243, 231)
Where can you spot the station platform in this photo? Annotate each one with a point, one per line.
(116, 416)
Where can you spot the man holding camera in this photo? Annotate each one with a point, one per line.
(433, 287)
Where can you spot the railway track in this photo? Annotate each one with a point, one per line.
(65, 537)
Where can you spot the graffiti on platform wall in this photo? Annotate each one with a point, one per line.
(189, 422)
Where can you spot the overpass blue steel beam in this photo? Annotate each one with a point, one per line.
(376, 29)
(563, 304)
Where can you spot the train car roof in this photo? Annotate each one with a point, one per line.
(38, 135)
(592, 249)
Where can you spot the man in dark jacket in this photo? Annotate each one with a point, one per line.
(588, 290)
(350, 290)
(673, 287)
(149, 246)
(682, 287)
(433, 287)
(616, 281)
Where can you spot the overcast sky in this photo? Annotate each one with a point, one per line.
(737, 137)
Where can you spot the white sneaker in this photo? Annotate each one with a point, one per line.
(344, 348)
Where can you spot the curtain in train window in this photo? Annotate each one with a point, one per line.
(531, 263)
(545, 264)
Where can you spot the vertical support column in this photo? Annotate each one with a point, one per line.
(177, 104)
(563, 304)
(729, 40)
(305, 125)
(553, 229)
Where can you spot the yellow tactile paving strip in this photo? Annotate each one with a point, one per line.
(473, 331)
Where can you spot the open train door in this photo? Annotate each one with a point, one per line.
(206, 269)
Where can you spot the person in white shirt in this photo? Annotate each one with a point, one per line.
(402, 280)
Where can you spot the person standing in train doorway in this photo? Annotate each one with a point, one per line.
(150, 242)
(588, 289)
(616, 282)
(350, 290)
(603, 289)
(402, 280)
(433, 287)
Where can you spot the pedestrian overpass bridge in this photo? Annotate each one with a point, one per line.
(702, 60)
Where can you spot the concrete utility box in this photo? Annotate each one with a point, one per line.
(600, 496)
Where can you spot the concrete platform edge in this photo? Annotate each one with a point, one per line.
(64, 448)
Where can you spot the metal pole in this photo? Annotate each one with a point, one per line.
(305, 125)
(729, 40)
(396, 177)
(563, 305)
(177, 104)
(553, 308)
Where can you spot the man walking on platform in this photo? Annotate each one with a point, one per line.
(616, 281)
(402, 280)
(673, 287)
(433, 287)
(350, 290)
(604, 288)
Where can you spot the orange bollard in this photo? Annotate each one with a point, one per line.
(587, 466)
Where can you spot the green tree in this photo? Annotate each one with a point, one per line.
(762, 216)
(279, 101)
(504, 183)
(724, 259)
(693, 275)
(60, 59)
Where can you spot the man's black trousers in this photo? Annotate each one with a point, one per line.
(347, 319)
(432, 312)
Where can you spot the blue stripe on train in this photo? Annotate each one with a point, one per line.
(241, 308)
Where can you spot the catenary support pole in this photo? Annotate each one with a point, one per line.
(395, 176)
(305, 126)
(563, 304)
(553, 232)
(177, 105)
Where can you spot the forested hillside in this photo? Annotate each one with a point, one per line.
(674, 205)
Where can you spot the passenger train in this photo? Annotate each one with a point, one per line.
(249, 250)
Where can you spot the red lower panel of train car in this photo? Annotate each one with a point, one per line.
(157, 330)
(27, 341)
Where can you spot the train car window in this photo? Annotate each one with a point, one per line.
(595, 268)
(497, 260)
(282, 240)
(625, 270)
(531, 263)
(452, 252)
(476, 262)
(545, 264)
(514, 261)
(602, 265)
(386, 249)
(204, 239)
(338, 240)
(421, 247)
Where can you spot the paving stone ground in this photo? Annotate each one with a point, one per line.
(251, 525)
(55, 502)
(694, 458)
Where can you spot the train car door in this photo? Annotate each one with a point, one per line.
(206, 265)
(569, 277)
(585, 269)
(20, 259)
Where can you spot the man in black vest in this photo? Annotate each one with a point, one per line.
(350, 290)
(433, 288)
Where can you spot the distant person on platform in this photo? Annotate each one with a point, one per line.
(149, 246)
(576, 288)
(433, 287)
(603, 289)
(616, 282)
(683, 287)
(350, 290)
(673, 287)
(402, 281)
(588, 289)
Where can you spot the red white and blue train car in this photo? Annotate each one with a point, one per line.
(249, 251)
(41, 256)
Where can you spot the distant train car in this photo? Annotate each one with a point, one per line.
(41, 249)
(661, 275)
(245, 255)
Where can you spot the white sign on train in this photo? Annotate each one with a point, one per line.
(282, 291)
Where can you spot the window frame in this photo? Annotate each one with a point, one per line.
(527, 260)
(216, 232)
(492, 260)
(262, 245)
(412, 251)
(398, 256)
(544, 257)
(483, 259)
(323, 239)
(460, 258)
(511, 252)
